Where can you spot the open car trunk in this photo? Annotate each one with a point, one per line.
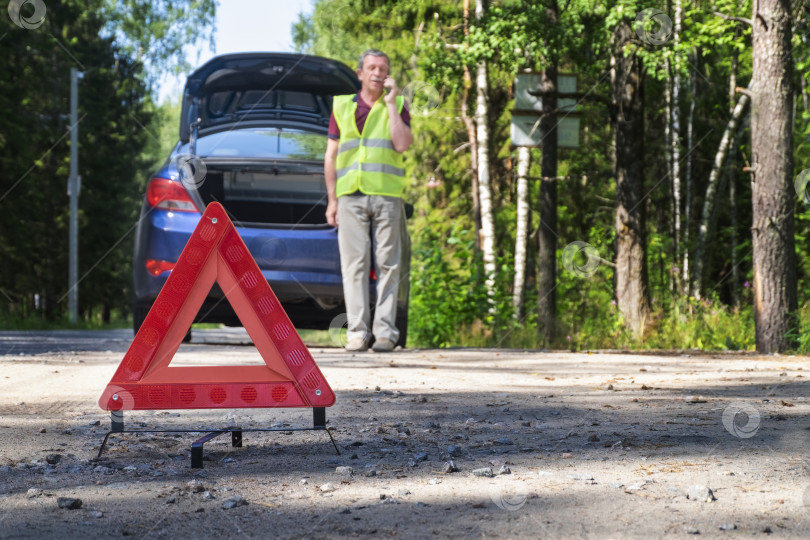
(268, 193)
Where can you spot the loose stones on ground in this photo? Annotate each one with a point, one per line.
(700, 493)
(69, 503)
(233, 502)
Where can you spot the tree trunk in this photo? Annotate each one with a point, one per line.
(704, 231)
(668, 151)
(628, 127)
(687, 211)
(547, 232)
(676, 141)
(523, 160)
(772, 194)
(484, 184)
(731, 170)
(732, 202)
(470, 126)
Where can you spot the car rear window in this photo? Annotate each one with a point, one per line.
(262, 143)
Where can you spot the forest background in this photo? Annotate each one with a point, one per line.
(679, 222)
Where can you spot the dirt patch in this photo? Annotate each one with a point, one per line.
(546, 445)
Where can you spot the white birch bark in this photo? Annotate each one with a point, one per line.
(711, 190)
(521, 236)
(668, 145)
(687, 212)
(469, 125)
(484, 184)
(731, 170)
(675, 139)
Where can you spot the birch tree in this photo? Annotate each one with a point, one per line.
(711, 190)
(675, 141)
(484, 185)
(521, 234)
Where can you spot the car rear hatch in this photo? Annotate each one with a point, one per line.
(244, 89)
(254, 126)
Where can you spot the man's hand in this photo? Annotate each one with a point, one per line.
(390, 85)
(331, 213)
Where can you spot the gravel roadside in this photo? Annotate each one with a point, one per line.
(448, 443)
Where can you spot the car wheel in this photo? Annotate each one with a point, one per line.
(402, 325)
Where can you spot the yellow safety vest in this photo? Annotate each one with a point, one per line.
(367, 161)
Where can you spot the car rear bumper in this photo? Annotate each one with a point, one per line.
(301, 265)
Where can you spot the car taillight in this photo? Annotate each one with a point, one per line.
(158, 267)
(164, 193)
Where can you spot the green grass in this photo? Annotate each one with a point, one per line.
(689, 324)
(316, 338)
(686, 325)
(9, 322)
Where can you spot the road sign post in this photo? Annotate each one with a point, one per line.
(525, 128)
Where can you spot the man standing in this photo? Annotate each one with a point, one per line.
(363, 166)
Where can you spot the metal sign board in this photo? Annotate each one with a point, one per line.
(523, 100)
(566, 84)
(568, 132)
(526, 130)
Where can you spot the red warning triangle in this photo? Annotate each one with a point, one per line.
(216, 253)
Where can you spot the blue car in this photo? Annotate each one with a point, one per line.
(252, 137)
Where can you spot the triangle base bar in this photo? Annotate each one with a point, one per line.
(140, 397)
(117, 426)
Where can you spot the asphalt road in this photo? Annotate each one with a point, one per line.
(543, 444)
(115, 341)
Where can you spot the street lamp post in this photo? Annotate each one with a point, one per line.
(74, 185)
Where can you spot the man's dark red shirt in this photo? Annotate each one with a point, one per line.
(360, 115)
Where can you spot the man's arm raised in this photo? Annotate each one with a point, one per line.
(401, 134)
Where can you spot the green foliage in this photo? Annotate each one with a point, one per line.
(117, 319)
(119, 146)
(427, 42)
(156, 32)
(802, 337)
(705, 325)
(441, 296)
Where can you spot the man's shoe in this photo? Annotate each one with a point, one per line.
(357, 344)
(383, 345)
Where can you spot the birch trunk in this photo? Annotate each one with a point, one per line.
(676, 141)
(687, 212)
(469, 125)
(711, 190)
(774, 258)
(732, 185)
(732, 201)
(523, 161)
(668, 150)
(484, 185)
